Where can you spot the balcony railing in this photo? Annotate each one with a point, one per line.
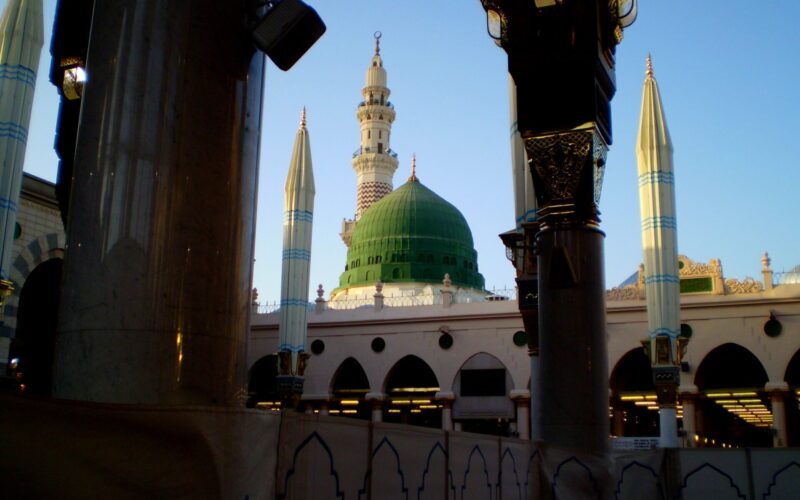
(388, 104)
(360, 151)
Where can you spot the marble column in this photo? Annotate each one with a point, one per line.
(522, 401)
(158, 267)
(688, 397)
(446, 400)
(777, 395)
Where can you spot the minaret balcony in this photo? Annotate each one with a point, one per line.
(376, 102)
(368, 150)
(375, 112)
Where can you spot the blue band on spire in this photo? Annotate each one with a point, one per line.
(292, 347)
(294, 302)
(661, 278)
(656, 178)
(18, 72)
(296, 254)
(14, 130)
(663, 222)
(298, 215)
(529, 216)
(7, 204)
(665, 331)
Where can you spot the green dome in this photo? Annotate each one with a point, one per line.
(411, 235)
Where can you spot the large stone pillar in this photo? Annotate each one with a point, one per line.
(777, 395)
(567, 169)
(158, 267)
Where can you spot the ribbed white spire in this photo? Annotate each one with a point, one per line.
(659, 241)
(297, 225)
(21, 38)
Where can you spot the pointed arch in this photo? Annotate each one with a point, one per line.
(43, 248)
(37, 320)
(262, 380)
(731, 369)
(482, 385)
(792, 378)
(632, 377)
(411, 386)
(730, 365)
(349, 379)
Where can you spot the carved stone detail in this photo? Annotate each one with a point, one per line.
(629, 292)
(747, 285)
(567, 170)
(698, 269)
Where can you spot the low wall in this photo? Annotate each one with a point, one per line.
(58, 449)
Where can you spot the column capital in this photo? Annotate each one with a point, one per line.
(779, 387)
(567, 170)
(375, 396)
(445, 396)
(520, 395)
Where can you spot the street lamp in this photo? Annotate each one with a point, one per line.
(561, 58)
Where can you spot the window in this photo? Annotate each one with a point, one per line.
(380, 147)
(378, 259)
(380, 134)
(484, 382)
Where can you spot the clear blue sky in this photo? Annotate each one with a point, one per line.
(727, 70)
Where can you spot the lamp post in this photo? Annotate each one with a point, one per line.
(561, 57)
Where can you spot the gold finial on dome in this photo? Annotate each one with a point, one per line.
(303, 118)
(649, 71)
(377, 36)
(413, 167)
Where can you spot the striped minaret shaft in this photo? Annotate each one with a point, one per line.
(21, 38)
(298, 217)
(374, 162)
(659, 228)
(660, 249)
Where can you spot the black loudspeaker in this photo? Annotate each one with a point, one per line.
(287, 30)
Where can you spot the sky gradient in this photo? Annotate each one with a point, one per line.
(727, 74)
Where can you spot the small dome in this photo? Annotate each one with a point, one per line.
(412, 235)
(791, 277)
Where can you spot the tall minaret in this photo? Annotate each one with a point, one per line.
(298, 215)
(21, 38)
(374, 161)
(660, 249)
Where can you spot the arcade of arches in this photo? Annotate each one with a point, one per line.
(730, 404)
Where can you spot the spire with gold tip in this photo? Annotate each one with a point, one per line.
(297, 226)
(660, 252)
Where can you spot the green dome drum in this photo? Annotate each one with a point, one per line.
(411, 235)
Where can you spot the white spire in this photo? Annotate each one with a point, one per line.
(298, 214)
(659, 244)
(21, 36)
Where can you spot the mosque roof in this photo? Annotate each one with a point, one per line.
(412, 235)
